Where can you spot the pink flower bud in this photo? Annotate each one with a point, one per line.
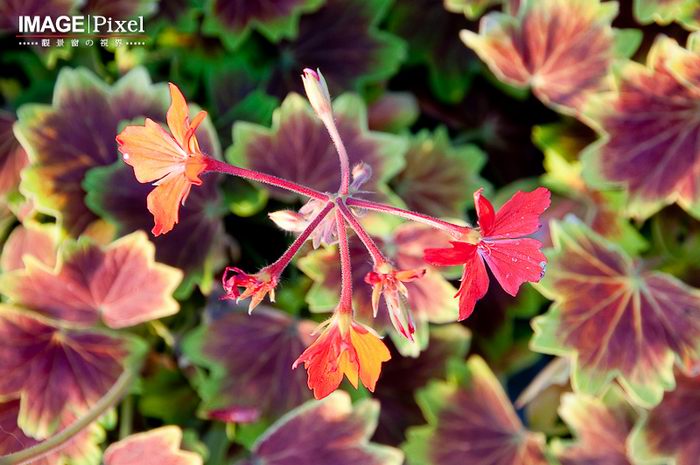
(317, 91)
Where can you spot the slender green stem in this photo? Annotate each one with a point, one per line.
(221, 167)
(126, 417)
(54, 443)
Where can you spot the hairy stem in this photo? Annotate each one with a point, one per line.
(287, 256)
(453, 229)
(377, 256)
(221, 167)
(332, 129)
(54, 443)
(345, 305)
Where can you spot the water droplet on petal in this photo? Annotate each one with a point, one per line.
(515, 260)
(126, 156)
(543, 266)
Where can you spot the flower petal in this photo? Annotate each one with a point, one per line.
(164, 202)
(520, 215)
(371, 352)
(459, 253)
(178, 115)
(484, 212)
(514, 262)
(474, 284)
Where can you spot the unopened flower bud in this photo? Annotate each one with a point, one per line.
(317, 91)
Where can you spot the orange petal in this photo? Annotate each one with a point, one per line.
(164, 202)
(178, 115)
(371, 352)
(150, 150)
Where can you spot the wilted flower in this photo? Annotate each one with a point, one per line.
(256, 286)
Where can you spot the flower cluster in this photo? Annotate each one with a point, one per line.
(173, 162)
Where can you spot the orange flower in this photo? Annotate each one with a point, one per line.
(345, 347)
(172, 162)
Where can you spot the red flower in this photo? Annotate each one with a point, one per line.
(499, 242)
(172, 162)
(345, 347)
(385, 280)
(256, 286)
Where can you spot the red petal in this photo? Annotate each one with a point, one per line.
(514, 262)
(460, 253)
(520, 215)
(484, 212)
(475, 283)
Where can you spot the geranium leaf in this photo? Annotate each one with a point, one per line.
(393, 112)
(431, 298)
(58, 374)
(276, 19)
(649, 142)
(298, 148)
(451, 67)
(471, 420)
(120, 283)
(562, 49)
(12, 156)
(342, 39)
(195, 245)
(81, 449)
(472, 9)
(437, 175)
(613, 318)
(601, 428)
(31, 239)
(249, 357)
(322, 432)
(161, 446)
(686, 12)
(11, 11)
(666, 433)
(402, 376)
(76, 133)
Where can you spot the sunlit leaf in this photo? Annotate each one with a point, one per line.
(64, 140)
(81, 449)
(600, 427)
(402, 376)
(299, 149)
(667, 433)
(431, 298)
(249, 357)
(275, 19)
(120, 284)
(158, 447)
(437, 175)
(613, 318)
(12, 156)
(471, 420)
(450, 66)
(31, 239)
(649, 142)
(341, 39)
(686, 12)
(58, 374)
(323, 432)
(563, 49)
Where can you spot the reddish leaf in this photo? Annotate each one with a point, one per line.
(437, 175)
(601, 430)
(234, 20)
(12, 156)
(57, 373)
(649, 140)
(299, 149)
(249, 357)
(561, 48)
(471, 421)
(80, 449)
(156, 447)
(119, 283)
(76, 133)
(668, 434)
(320, 433)
(392, 112)
(341, 39)
(29, 240)
(613, 318)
